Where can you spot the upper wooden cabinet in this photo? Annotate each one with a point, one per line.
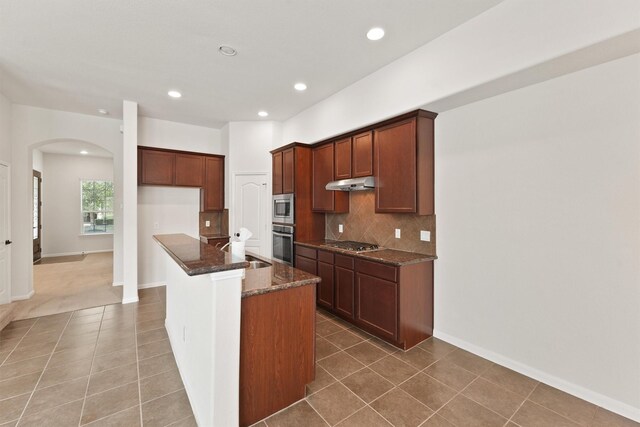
(292, 174)
(276, 171)
(323, 173)
(343, 158)
(288, 171)
(158, 166)
(283, 171)
(189, 170)
(212, 194)
(403, 166)
(362, 155)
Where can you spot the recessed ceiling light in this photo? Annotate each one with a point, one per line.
(300, 86)
(227, 50)
(84, 152)
(174, 94)
(103, 111)
(263, 113)
(375, 33)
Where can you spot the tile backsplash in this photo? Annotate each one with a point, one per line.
(364, 225)
(219, 222)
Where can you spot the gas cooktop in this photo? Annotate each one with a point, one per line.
(348, 245)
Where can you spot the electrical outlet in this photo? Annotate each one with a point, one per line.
(425, 235)
(397, 233)
(207, 223)
(340, 228)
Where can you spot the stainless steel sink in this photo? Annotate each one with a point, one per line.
(255, 262)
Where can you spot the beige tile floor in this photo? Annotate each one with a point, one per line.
(361, 381)
(113, 365)
(103, 366)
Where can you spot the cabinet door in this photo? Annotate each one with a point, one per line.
(306, 264)
(212, 194)
(277, 172)
(325, 287)
(344, 291)
(288, 178)
(322, 169)
(189, 170)
(158, 167)
(377, 305)
(322, 175)
(363, 155)
(395, 167)
(343, 159)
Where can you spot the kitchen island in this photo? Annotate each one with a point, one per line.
(244, 339)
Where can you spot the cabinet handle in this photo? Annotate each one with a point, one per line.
(7, 242)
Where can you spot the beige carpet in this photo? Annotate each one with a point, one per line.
(69, 286)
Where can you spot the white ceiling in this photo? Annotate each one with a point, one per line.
(74, 147)
(84, 55)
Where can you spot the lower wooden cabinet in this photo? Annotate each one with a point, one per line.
(377, 305)
(345, 298)
(325, 287)
(394, 303)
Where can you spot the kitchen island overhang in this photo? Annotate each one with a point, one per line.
(222, 327)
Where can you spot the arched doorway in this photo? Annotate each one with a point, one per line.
(77, 215)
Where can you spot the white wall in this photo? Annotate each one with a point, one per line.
(483, 53)
(163, 210)
(38, 160)
(61, 218)
(538, 203)
(5, 129)
(30, 128)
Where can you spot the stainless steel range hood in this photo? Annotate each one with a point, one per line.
(354, 184)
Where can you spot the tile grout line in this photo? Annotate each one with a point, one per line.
(19, 342)
(45, 366)
(93, 359)
(522, 403)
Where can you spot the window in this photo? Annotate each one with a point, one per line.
(97, 206)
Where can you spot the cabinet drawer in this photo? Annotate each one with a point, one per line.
(386, 272)
(344, 261)
(305, 252)
(325, 256)
(306, 264)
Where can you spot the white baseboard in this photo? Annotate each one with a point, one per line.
(118, 283)
(22, 297)
(596, 398)
(130, 300)
(76, 253)
(150, 285)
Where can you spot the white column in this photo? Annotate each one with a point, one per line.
(130, 201)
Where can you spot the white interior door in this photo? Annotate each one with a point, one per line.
(250, 211)
(5, 294)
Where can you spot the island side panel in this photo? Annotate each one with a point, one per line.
(277, 351)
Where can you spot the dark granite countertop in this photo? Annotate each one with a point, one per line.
(385, 256)
(196, 257)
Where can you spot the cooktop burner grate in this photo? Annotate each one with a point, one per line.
(349, 245)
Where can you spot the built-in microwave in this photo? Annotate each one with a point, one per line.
(283, 208)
